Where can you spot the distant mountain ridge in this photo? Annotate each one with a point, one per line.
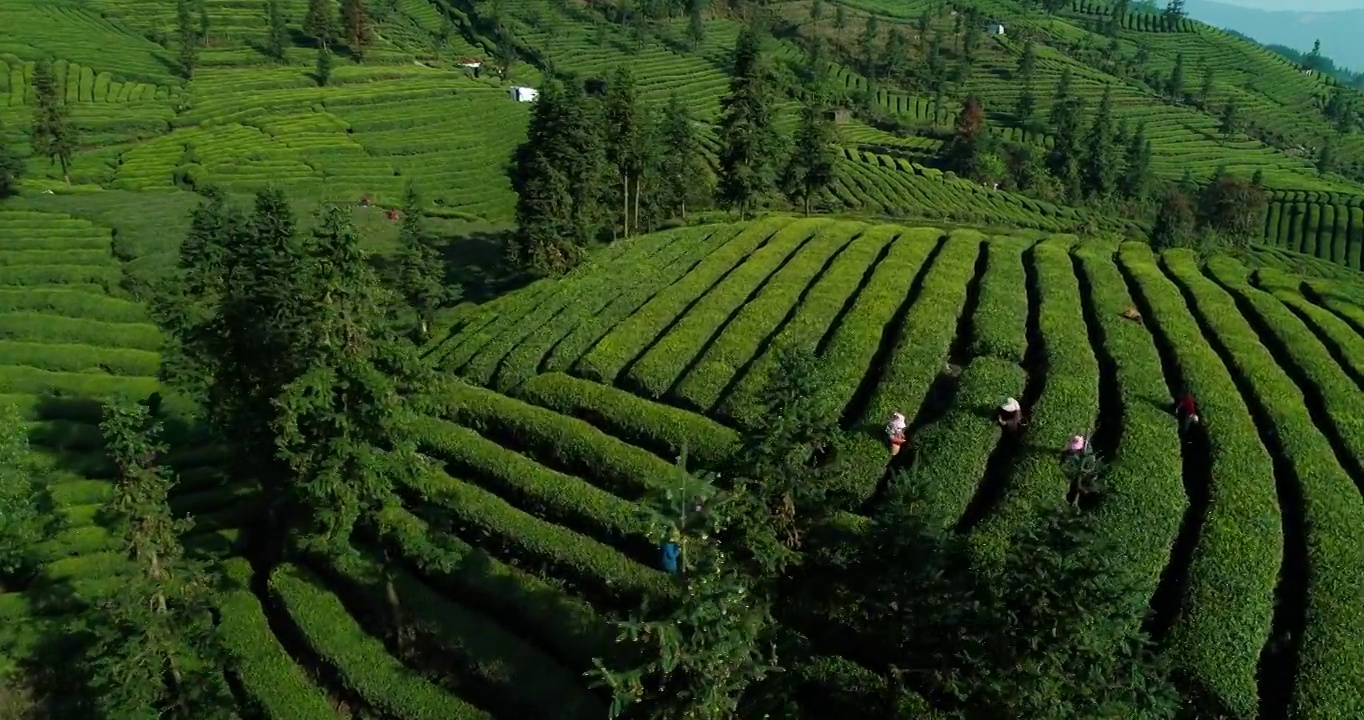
(1339, 30)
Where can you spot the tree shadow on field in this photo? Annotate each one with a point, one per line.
(477, 262)
(55, 632)
(171, 65)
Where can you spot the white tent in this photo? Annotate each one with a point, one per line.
(523, 94)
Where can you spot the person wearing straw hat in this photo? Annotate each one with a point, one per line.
(895, 432)
(1010, 415)
(1079, 463)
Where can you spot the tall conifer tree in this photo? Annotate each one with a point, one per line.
(11, 166)
(355, 22)
(340, 422)
(53, 135)
(187, 37)
(811, 167)
(748, 142)
(278, 32)
(320, 22)
(683, 174)
(154, 652)
(420, 276)
(625, 126)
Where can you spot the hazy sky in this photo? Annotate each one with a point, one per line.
(1304, 5)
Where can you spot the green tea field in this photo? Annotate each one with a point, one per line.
(489, 584)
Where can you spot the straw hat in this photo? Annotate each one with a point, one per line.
(1076, 444)
(1010, 406)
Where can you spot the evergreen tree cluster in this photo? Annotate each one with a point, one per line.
(604, 162)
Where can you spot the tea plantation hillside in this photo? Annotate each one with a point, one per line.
(489, 586)
(409, 113)
(1220, 531)
(519, 539)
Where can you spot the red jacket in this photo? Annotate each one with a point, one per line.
(1186, 405)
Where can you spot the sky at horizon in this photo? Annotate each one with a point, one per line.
(1299, 5)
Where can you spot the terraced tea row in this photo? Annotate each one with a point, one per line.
(1195, 520)
(68, 341)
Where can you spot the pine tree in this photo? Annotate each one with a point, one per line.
(420, 271)
(1205, 88)
(748, 142)
(625, 125)
(1312, 60)
(355, 20)
(1174, 85)
(53, 135)
(278, 32)
(840, 21)
(1027, 107)
(154, 651)
(781, 485)
(1174, 10)
(559, 182)
(1027, 62)
(187, 37)
(186, 305)
(244, 275)
(696, 25)
(11, 167)
(1066, 118)
(870, 32)
(965, 147)
(21, 521)
(1226, 123)
(1100, 172)
(323, 72)
(1340, 111)
(811, 168)
(320, 22)
(340, 422)
(816, 11)
(505, 54)
(700, 652)
(1325, 158)
(1136, 164)
(923, 26)
(683, 173)
(202, 7)
(896, 55)
(1046, 629)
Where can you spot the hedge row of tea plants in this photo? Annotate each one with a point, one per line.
(665, 362)
(999, 325)
(275, 684)
(571, 291)
(919, 357)
(1227, 605)
(1068, 404)
(650, 271)
(558, 498)
(360, 660)
(1145, 499)
(567, 444)
(854, 342)
(626, 340)
(1331, 656)
(736, 346)
(627, 300)
(525, 540)
(662, 429)
(818, 311)
(499, 670)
